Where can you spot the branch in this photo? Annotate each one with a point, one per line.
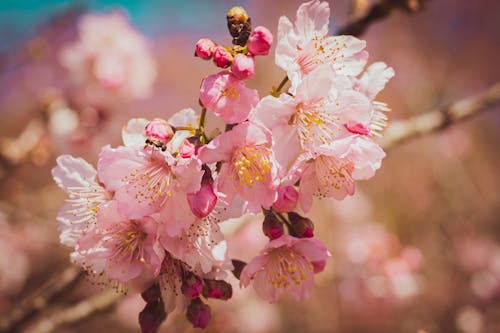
(58, 285)
(94, 304)
(400, 131)
(377, 12)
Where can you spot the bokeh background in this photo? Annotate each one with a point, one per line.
(416, 249)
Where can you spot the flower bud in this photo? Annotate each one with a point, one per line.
(203, 201)
(272, 227)
(204, 48)
(287, 199)
(243, 66)
(198, 313)
(239, 25)
(152, 294)
(192, 286)
(260, 41)
(222, 57)
(159, 129)
(302, 227)
(217, 289)
(187, 149)
(151, 317)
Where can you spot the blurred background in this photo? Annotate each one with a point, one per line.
(416, 249)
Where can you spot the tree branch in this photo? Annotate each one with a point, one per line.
(83, 309)
(40, 300)
(403, 130)
(377, 12)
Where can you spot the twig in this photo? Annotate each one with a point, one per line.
(41, 299)
(377, 12)
(77, 312)
(400, 131)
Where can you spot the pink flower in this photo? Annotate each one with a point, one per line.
(287, 199)
(260, 41)
(147, 181)
(305, 45)
(243, 66)
(286, 264)
(205, 48)
(222, 57)
(126, 248)
(332, 173)
(324, 103)
(204, 200)
(248, 170)
(85, 196)
(160, 130)
(227, 97)
(110, 57)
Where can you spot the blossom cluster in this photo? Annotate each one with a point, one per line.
(148, 216)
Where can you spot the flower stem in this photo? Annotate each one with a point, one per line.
(276, 91)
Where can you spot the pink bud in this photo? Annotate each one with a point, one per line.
(203, 202)
(151, 317)
(192, 286)
(302, 227)
(159, 129)
(204, 48)
(222, 57)
(243, 66)
(260, 41)
(187, 149)
(357, 128)
(272, 227)
(287, 199)
(218, 289)
(198, 313)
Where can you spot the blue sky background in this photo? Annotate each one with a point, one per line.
(20, 18)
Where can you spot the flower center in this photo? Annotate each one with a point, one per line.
(332, 175)
(231, 92)
(250, 164)
(152, 182)
(316, 126)
(286, 267)
(320, 50)
(127, 242)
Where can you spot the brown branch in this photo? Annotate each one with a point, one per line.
(400, 131)
(94, 304)
(377, 12)
(58, 285)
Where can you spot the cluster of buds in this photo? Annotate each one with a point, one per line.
(152, 208)
(246, 45)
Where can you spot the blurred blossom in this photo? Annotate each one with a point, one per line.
(110, 57)
(469, 320)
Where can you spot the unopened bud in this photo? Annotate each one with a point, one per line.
(302, 227)
(239, 25)
(260, 41)
(192, 286)
(151, 317)
(272, 227)
(159, 129)
(204, 48)
(287, 199)
(204, 200)
(198, 313)
(222, 57)
(217, 289)
(187, 149)
(243, 66)
(152, 294)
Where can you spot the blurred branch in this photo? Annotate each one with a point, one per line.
(41, 299)
(400, 131)
(77, 312)
(377, 12)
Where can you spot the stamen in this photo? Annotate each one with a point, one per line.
(250, 164)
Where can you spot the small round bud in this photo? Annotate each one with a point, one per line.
(260, 41)
(237, 14)
(159, 129)
(187, 149)
(302, 227)
(198, 313)
(192, 286)
(272, 227)
(287, 199)
(222, 57)
(243, 66)
(151, 317)
(203, 202)
(204, 48)
(218, 289)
